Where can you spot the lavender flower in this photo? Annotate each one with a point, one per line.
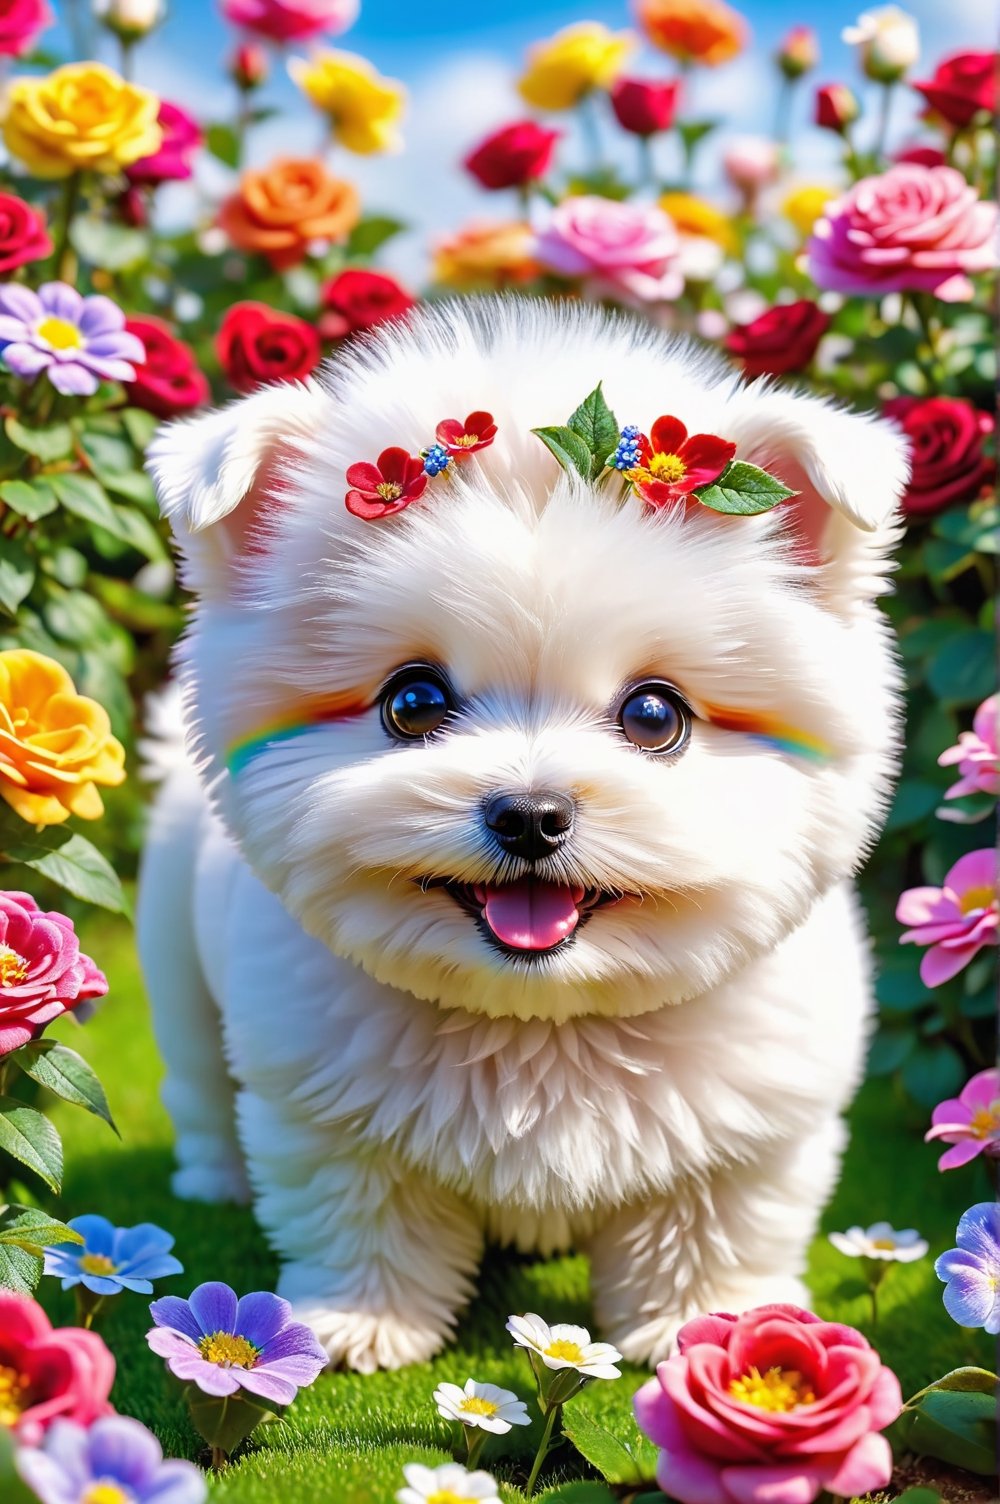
(78, 342)
(971, 1271)
(116, 1458)
(223, 1345)
(113, 1259)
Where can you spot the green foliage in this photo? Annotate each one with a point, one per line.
(25, 1233)
(743, 490)
(630, 1459)
(66, 858)
(66, 1074)
(955, 1425)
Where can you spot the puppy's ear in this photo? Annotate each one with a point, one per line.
(221, 478)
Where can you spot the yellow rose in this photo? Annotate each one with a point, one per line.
(696, 216)
(363, 107)
(55, 745)
(80, 116)
(577, 59)
(486, 255)
(804, 205)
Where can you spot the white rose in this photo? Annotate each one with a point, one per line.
(130, 18)
(888, 42)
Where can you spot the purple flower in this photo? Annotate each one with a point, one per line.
(971, 1271)
(78, 342)
(222, 1344)
(117, 1458)
(113, 1259)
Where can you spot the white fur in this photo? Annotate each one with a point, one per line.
(664, 1092)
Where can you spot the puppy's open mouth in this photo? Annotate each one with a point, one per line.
(528, 917)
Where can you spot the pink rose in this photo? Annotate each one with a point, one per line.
(292, 20)
(769, 1408)
(911, 229)
(171, 163)
(977, 753)
(64, 1374)
(21, 23)
(955, 920)
(42, 972)
(627, 251)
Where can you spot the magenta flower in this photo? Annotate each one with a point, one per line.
(172, 163)
(970, 1121)
(976, 754)
(42, 971)
(955, 920)
(78, 342)
(284, 21)
(222, 1344)
(626, 251)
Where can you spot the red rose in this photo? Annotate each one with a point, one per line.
(964, 86)
(947, 462)
(515, 155)
(255, 344)
(836, 107)
(644, 107)
(23, 236)
(170, 381)
(783, 338)
(923, 155)
(248, 66)
(356, 299)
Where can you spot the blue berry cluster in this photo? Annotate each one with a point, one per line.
(626, 456)
(436, 459)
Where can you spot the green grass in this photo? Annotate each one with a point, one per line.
(347, 1438)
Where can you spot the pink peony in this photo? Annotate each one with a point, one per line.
(770, 1407)
(49, 1375)
(172, 163)
(627, 251)
(292, 20)
(911, 229)
(955, 920)
(42, 972)
(976, 754)
(970, 1121)
(21, 24)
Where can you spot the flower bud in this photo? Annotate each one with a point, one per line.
(798, 52)
(645, 106)
(751, 163)
(837, 108)
(129, 19)
(888, 43)
(248, 66)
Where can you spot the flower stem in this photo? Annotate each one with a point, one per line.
(783, 111)
(873, 1292)
(88, 1306)
(884, 113)
(591, 128)
(66, 264)
(647, 164)
(220, 1459)
(126, 58)
(543, 1447)
(475, 1440)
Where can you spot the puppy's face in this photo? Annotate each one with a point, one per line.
(525, 748)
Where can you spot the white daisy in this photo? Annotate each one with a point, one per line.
(449, 1484)
(564, 1346)
(484, 1405)
(881, 1241)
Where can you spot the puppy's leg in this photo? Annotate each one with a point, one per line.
(736, 1240)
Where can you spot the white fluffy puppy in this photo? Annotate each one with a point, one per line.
(507, 890)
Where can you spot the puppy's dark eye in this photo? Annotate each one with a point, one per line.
(415, 703)
(655, 718)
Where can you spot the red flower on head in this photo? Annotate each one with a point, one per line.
(477, 432)
(672, 465)
(382, 489)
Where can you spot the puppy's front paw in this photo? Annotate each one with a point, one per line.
(353, 1337)
(213, 1183)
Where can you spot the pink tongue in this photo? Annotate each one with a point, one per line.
(530, 915)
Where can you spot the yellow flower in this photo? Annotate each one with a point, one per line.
(577, 59)
(486, 255)
(696, 216)
(55, 745)
(80, 116)
(363, 107)
(804, 205)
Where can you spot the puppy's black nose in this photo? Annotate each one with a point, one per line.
(530, 825)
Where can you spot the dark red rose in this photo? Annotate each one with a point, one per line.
(170, 381)
(837, 107)
(783, 338)
(512, 156)
(387, 487)
(947, 460)
(922, 154)
(964, 85)
(356, 299)
(643, 106)
(255, 344)
(23, 236)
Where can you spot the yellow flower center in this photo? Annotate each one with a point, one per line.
(976, 898)
(389, 490)
(885, 1243)
(986, 1121)
(228, 1351)
(572, 1352)
(473, 1404)
(15, 1395)
(447, 1496)
(106, 1493)
(97, 1263)
(778, 1390)
(667, 467)
(60, 334)
(466, 440)
(13, 968)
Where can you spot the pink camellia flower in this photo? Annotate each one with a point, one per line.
(770, 1407)
(751, 163)
(42, 971)
(292, 20)
(172, 163)
(955, 920)
(49, 1375)
(970, 1121)
(620, 250)
(977, 754)
(21, 24)
(911, 229)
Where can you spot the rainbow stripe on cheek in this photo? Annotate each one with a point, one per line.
(772, 731)
(303, 718)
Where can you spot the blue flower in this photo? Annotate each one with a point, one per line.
(436, 459)
(116, 1459)
(972, 1270)
(629, 449)
(112, 1259)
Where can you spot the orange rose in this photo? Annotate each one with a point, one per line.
(280, 209)
(486, 255)
(55, 745)
(694, 31)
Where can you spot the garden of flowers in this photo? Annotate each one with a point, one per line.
(143, 1354)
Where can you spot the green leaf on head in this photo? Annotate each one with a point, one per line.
(743, 490)
(597, 426)
(569, 448)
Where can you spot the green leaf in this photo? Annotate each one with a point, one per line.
(597, 426)
(955, 1426)
(29, 1137)
(964, 671)
(897, 982)
(915, 800)
(29, 499)
(918, 1496)
(86, 498)
(49, 444)
(632, 1461)
(67, 859)
(17, 574)
(66, 1074)
(20, 1271)
(112, 246)
(933, 1072)
(370, 234)
(743, 490)
(140, 426)
(967, 1380)
(568, 448)
(223, 142)
(580, 1493)
(32, 1230)
(888, 1050)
